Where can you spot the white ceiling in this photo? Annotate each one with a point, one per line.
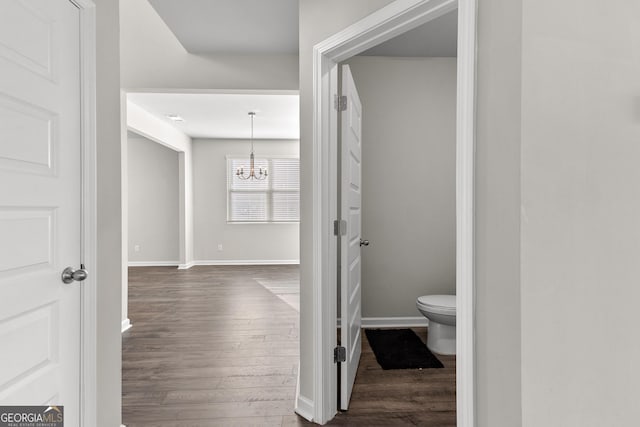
(232, 26)
(435, 38)
(225, 116)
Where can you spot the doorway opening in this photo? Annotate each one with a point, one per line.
(379, 27)
(398, 186)
(230, 307)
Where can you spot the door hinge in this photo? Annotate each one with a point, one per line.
(340, 102)
(339, 354)
(339, 227)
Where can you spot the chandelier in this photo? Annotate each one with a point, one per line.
(262, 173)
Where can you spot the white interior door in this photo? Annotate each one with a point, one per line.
(351, 212)
(40, 204)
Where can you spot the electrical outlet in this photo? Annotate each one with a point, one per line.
(136, 248)
(220, 247)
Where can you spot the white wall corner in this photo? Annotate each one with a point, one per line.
(395, 322)
(124, 210)
(126, 325)
(186, 266)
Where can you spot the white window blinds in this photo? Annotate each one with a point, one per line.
(275, 199)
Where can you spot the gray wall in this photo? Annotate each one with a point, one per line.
(580, 213)
(240, 242)
(318, 20)
(497, 245)
(153, 202)
(408, 181)
(109, 218)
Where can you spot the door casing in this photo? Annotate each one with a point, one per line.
(382, 25)
(88, 316)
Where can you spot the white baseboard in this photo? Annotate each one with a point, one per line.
(126, 325)
(213, 262)
(395, 322)
(186, 266)
(248, 262)
(304, 408)
(153, 263)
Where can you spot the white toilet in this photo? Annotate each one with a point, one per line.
(441, 312)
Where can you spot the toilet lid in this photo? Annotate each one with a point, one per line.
(442, 302)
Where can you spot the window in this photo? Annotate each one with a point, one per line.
(275, 199)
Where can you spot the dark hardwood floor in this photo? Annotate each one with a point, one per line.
(211, 346)
(401, 397)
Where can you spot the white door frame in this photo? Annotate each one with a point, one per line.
(88, 316)
(384, 24)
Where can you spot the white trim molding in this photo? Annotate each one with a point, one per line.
(153, 263)
(304, 407)
(394, 19)
(126, 325)
(394, 322)
(186, 266)
(248, 262)
(465, 214)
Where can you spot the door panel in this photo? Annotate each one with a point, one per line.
(32, 19)
(40, 204)
(30, 128)
(351, 211)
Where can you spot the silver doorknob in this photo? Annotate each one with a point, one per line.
(364, 242)
(69, 275)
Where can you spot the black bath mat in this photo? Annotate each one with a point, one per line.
(400, 349)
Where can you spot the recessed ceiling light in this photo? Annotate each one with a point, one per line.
(174, 117)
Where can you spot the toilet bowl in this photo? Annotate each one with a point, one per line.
(441, 312)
